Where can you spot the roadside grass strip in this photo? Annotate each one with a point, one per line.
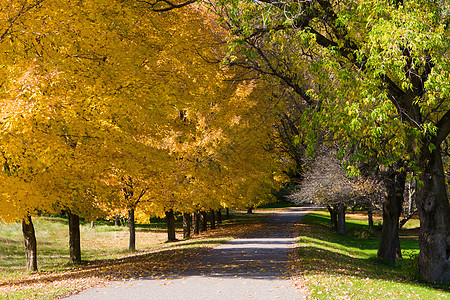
(333, 266)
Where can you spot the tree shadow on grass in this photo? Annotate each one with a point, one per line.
(135, 265)
(408, 237)
(12, 254)
(179, 259)
(322, 251)
(158, 261)
(322, 261)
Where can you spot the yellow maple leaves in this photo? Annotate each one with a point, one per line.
(96, 92)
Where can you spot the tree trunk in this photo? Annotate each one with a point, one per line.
(170, 226)
(74, 238)
(411, 192)
(333, 217)
(219, 216)
(117, 220)
(212, 218)
(341, 218)
(195, 223)
(203, 221)
(92, 224)
(132, 230)
(186, 225)
(227, 213)
(389, 247)
(250, 210)
(370, 218)
(434, 213)
(29, 238)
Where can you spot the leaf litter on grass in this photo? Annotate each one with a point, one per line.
(326, 269)
(157, 262)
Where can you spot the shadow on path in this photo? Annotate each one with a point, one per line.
(253, 266)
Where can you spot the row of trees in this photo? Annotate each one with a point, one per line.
(371, 79)
(107, 93)
(110, 108)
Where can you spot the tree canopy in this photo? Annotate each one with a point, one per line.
(111, 105)
(372, 77)
(107, 105)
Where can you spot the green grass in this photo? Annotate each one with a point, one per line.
(337, 266)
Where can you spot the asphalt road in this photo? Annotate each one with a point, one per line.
(251, 267)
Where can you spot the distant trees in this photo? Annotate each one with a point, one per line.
(326, 183)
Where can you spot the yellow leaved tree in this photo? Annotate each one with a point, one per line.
(108, 107)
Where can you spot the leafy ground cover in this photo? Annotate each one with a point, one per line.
(104, 252)
(332, 266)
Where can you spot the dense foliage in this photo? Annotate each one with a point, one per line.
(372, 77)
(108, 107)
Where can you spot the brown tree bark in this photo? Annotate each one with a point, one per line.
(212, 219)
(170, 226)
(341, 208)
(132, 230)
(219, 216)
(203, 221)
(29, 238)
(434, 213)
(186, 225)
(117, 220)
(195, 223)
(333, 217)
(389, 248)
(370, 218)
(74, 238)
(227, 213)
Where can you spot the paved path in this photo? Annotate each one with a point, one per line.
(251, 267)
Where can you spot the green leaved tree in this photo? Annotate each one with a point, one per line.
(375, 74)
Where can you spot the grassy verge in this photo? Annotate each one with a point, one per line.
(104, 253)
(333, 266)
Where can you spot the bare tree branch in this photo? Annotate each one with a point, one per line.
(165, 5)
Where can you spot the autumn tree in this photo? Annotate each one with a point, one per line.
(101, 111)
(69, 131)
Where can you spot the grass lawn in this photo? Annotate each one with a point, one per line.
(104, 252)
(333, 266)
